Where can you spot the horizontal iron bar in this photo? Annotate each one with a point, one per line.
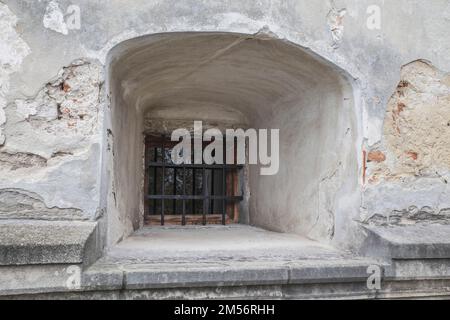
(195, 166)
(191, 197)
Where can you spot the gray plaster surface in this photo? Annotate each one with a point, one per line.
(429, 241)
(43, 242)
(37, 72)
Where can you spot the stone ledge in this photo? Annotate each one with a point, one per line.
(30, 242)
(47, 279)
(425, 269)
(160, 258)
(36, 279)
(340, 271)
(429, 241)
(219, 274)
(143, 278)
(436, 289)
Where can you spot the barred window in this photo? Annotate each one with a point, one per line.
(188, 194)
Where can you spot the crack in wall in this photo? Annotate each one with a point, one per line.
(23, 160)
(411, 216)
(335, 21)
(21, 204)
(14, 161)
(324, 223)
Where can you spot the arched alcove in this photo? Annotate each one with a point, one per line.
(238, 80)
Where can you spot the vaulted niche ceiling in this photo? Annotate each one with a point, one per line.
(256, 81)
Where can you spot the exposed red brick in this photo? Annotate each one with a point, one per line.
(413, 155)
(400, 107)
(376, 156)
(65, 87)
(401, 87)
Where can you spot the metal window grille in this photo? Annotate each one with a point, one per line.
(188, 193)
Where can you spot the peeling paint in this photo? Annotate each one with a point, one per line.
(21, 204)
(417, 125)
(409, 171)
(20, 160)
(13, 51)
(53, 138)
(54, 18)
(335, 20)
(62, 117)
(411, 216)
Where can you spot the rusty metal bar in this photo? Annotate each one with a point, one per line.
(183, 219)
(163, 191)
(205, 195)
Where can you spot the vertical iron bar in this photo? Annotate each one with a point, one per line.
(163, 179)
(233, 192)
(174, 204)
(224, 201)
(205, 195)
(183, 222)
(224, 187)
(147, 187)
(155, 182)
(211, 209)
(194, 177)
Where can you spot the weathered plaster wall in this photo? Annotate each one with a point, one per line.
(414, 155)
(52, 148)
(124, 163)
(255, 80)
(12, 52)
(48, 141)
(36, 43)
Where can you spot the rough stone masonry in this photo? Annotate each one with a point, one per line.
(359, 89)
